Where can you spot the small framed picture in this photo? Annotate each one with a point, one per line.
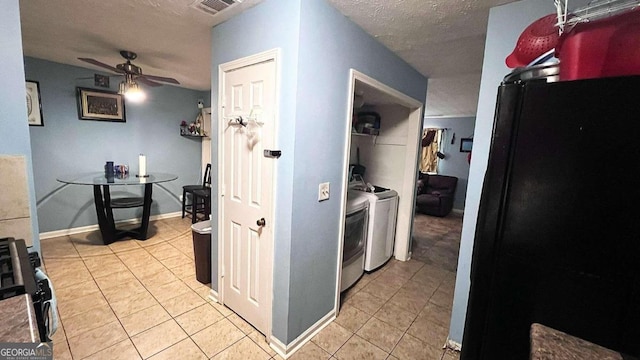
(103, 105)
(466, 144)
(101, 80)
(34, 106)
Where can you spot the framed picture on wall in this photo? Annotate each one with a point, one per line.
(466, 144)
(34, 106)
(103, 105)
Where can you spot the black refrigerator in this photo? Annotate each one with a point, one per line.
(558, 233)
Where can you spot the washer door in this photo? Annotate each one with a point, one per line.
(355, 235)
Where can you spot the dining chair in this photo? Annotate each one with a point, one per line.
(202, 197)
(192, 207)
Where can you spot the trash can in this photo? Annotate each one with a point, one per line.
(202, 250)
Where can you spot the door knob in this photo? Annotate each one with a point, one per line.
(261, 222)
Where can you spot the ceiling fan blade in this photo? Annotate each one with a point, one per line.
(101, 64)
(147, 82)
(161, 78)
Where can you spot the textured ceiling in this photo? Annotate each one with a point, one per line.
(443, 39)
(171, 38)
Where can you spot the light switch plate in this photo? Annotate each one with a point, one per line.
(323, 191)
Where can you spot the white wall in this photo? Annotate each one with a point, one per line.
(384, 155)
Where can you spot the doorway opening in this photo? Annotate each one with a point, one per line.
(383, 129)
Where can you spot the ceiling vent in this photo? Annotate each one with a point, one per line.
(214, 6)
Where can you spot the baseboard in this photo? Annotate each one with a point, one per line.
(213, 295)
(458, 211)
(453, 345)
(287, 350)
(278, 347)
(81, 229)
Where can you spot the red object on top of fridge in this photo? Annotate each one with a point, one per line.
(601, 48)
(538, 38)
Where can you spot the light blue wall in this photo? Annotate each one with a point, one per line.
(455, 163)
(318, 47)
(271, 24)
(66, 145)
(14, 130)
(330, 45)
(506, 23)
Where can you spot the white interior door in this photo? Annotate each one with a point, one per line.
(247, 186)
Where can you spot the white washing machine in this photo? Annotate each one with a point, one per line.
(355, 238)
(381, 233)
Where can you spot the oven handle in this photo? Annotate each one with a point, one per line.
(53, 303)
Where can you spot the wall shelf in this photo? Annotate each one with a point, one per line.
(194, 136)
(362, 134)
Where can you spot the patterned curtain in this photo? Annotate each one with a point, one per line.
(431, 139)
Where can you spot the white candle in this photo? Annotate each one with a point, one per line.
(142, 165)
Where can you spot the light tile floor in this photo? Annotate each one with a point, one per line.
(140, 300)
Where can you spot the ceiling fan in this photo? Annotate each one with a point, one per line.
(132, 72)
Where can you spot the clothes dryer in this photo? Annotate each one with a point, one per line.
(355, 239)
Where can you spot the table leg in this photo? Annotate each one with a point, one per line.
(105, 222)
(108, 210)
(146, 211)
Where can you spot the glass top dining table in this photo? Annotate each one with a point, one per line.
(105, 204)
(99, 178)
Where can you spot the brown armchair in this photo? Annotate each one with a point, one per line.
(435, 194)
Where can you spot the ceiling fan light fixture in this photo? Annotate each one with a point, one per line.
(131, 90)
(122, 88)
(135, 93)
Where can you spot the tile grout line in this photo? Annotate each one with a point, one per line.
(138, 279)
(405, 332)
(156, 299)
(174, 317)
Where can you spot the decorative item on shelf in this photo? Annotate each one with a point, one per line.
(195, 128)
(200, 125)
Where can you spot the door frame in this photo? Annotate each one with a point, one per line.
(206, 141)
(269, 55)
(402, 246)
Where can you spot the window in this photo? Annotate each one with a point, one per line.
(431, 149)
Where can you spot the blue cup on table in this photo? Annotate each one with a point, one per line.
(109, 171)
(108, 168)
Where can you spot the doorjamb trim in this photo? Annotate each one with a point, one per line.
(415, 108)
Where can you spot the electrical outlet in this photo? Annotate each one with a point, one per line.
(180, 197)
(323, 191)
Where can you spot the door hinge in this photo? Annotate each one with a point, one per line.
(222, 270)
(222, 190)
